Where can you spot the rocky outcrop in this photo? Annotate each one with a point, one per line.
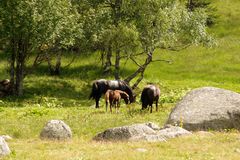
(141, 132)
(56, 130)
(207, 108)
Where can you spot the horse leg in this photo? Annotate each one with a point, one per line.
(97, 102)
(157, 105)
(97, 105)
(110, 107)
(106, 105)
(118, 105)
(115, 107)
(150, 108)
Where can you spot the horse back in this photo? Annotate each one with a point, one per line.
(150, 93)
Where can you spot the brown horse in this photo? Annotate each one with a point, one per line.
(150, 94)
(114, 98)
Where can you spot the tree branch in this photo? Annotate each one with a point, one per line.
(132, 55)
(141, 69)
(138, 81)
(163, 60)
(73, 59)
(136, 62)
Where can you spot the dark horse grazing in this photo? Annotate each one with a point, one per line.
(114, 98)
(150, 94)
(101, 86)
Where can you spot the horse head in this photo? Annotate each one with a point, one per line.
(124, 96)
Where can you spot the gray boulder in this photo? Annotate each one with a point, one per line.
(141, 132)
(207, 108)
(56, 130)
(131, 132)
(4, 149)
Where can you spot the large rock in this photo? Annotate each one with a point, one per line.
(4, 149)
(125, 132)
(56, 130)
(207, 108)
(141, 132)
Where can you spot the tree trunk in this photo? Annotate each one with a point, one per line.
(140, 71)
(138, 80)
(12, 66)
(108, 64)
(50, 68)
(102, 58)
(19, 79)
(117, 65)
(58, 64)
(20, 67)
(116, 9)
(54, 70)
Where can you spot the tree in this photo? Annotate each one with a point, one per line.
(167, 25)
(147, 25)
(111, 31)
(27, 25)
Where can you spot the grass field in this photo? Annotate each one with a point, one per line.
(66, 98)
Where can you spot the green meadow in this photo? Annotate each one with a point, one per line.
(65, 97)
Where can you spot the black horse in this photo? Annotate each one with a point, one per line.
(101, 86)
(150, 94)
